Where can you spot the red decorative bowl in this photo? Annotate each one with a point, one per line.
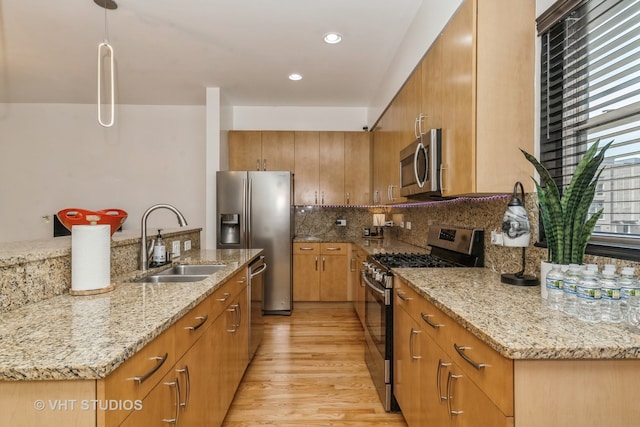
(75, 216)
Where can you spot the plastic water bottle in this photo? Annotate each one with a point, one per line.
(555, 280)
(570, 299)
(633, 313)
(589, 294)
(610, 292)
(628, 287)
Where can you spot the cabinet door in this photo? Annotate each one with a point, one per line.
(196, 371)
(306, 277)
(278, 151)
(245, 150)
(383, 159)
(307, 172)
(458, 115)
(331, 163)
(431, 99)
(407, 365)
(333, 278)
(469, 406)
(357, 171)
(161, 406)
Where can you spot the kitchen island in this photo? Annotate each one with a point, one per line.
(63, 350)
(529, 365)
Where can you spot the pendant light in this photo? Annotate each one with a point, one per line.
(105, 50)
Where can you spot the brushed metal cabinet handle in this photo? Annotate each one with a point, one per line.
(175, 383)
(203, 320)
(413, 333)
(426, 319)
(159, 362)
(187, 395)
(450, 377)
(460, 350)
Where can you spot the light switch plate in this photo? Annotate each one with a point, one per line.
(175, 248)
(187, 245)
(407, 225)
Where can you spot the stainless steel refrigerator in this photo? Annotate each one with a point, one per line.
(255, 210)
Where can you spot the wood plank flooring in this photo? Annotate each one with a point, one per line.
(310, 371)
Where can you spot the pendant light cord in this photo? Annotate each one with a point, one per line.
(109, 51)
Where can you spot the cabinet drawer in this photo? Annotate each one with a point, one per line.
(306, 248)
(192, 325)
(334, 248)
(135, 378)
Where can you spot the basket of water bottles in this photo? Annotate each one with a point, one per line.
(594, 296)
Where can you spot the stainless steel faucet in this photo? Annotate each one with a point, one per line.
(144, 251)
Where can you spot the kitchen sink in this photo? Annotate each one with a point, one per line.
(195, 269)
(183, 273)
(172, 278)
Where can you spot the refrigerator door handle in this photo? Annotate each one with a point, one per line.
(247, 216)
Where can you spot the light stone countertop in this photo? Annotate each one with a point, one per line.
(88, 337)
(514, 320)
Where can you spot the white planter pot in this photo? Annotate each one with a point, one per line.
(545, 268)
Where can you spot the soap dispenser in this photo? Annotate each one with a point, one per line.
(159, 251)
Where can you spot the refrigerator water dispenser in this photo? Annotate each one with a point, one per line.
(230, 229)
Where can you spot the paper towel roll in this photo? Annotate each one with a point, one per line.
(90, 257)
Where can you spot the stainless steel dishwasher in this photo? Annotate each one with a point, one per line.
(255, 292)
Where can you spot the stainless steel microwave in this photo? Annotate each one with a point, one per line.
(420, 165)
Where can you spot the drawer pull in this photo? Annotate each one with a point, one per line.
(333, 248)
(305, 248)
(403, 298)
(241, 281)
(413, 356)
(160, 361)
(187, 377)
(450, 377)
(460, 350)
(441, 365)
(203, 320)
(226, 297)
(174, 420)
(426, 317)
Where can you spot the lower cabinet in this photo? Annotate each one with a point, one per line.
(433, 382)
(320, 272)
(358, 256)
(200, 386)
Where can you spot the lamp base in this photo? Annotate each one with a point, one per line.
(519, 279)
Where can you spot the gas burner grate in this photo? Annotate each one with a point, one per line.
(411, 260)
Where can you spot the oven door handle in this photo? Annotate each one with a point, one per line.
(372, 286)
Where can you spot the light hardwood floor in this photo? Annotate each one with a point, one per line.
(310, 371)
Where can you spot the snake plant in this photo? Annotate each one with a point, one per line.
(564, 215)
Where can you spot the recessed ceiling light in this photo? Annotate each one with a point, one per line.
(295, 76)
(332, 38)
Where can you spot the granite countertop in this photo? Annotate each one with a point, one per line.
(88, 337)
(514, 320)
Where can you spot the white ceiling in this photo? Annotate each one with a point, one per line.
(169, 51)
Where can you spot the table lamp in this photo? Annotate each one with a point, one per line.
(516, 232)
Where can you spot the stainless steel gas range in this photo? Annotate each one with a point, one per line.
(449, 247)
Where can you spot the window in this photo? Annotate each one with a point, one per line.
(590, 91)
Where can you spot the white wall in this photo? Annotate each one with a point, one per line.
(56, 156)
(299, 118)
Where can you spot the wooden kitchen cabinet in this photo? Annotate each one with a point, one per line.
(436, 385)
(261, 150)
(315, 152)
(385, 157)
(358, 256)
(357, 171)
(212, 343)
(487, 53)
(320, 272)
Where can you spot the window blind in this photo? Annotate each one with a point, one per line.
(590, 92)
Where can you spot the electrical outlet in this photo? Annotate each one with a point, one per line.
(175, 249)
(497, 238)
(187, 245)
(407, 225)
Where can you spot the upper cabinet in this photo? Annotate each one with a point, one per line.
(261, 150)
(332, 168)
(476, 83)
